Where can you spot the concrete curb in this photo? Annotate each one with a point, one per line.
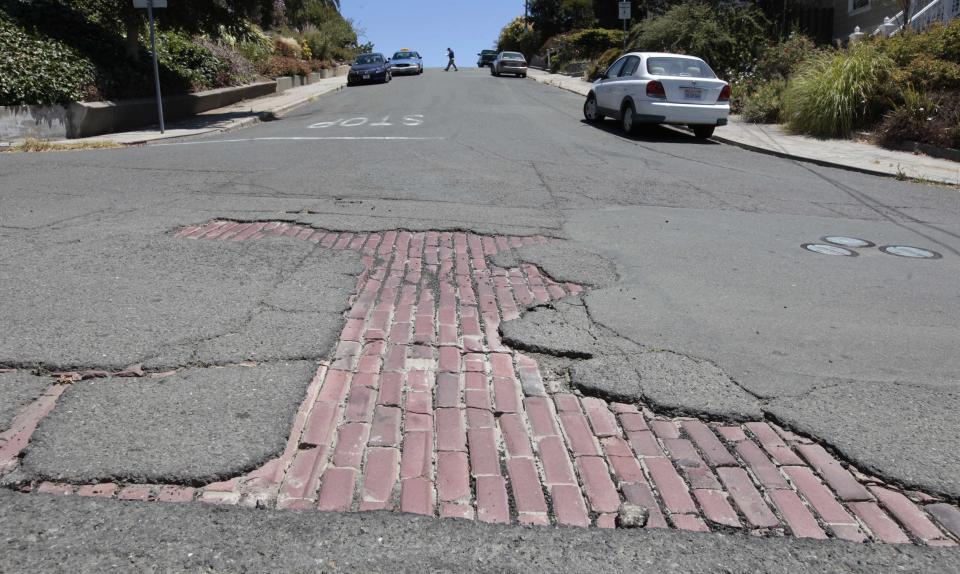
(273, 114)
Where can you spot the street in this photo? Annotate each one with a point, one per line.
(466, 302)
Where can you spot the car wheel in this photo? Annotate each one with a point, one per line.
(703, 132)
(590, 110)
(523, 75)
(627, 121)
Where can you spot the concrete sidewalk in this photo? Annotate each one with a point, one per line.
(772, 139)
(238, 115)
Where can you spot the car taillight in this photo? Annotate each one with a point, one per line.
(655, 90)
(724, 94)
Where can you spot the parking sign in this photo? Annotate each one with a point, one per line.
(624, 10)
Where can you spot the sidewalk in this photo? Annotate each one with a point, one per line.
(238, 115)
(771, 139)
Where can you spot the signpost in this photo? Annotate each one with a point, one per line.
(625, 16)
(150, 5)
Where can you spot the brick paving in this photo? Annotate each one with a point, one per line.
(423, 409)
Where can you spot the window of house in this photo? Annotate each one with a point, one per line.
(857, 6)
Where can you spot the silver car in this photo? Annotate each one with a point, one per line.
(406, 62)
(509, 63)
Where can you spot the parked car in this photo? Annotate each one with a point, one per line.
(656, 88)
(406, 62)
(369, 68)
(509, 63)
(486, 58)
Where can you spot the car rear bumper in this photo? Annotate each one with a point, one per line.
(671, 113)
(513, 70)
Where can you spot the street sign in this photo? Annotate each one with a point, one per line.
(625, 10)
(143, 3)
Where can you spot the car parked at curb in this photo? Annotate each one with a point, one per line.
(486, 57)
(509, 63)
(659, 88)
(406, 62)
(369, 68)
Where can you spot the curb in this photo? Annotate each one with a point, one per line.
(238, 124)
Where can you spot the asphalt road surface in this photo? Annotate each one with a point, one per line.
(690, 247)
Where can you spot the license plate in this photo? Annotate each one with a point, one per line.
(692, 93)
(366, 76)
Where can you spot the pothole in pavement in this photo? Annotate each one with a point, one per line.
(423, 409)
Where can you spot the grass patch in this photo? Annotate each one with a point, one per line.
(837, 92)
(38, 145)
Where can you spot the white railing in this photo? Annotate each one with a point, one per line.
(935, 11)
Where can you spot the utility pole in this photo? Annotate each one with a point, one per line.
(526, 12)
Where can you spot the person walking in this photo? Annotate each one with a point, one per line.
(450, 61)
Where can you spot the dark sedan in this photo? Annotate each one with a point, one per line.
(369, 68)
(486, 58)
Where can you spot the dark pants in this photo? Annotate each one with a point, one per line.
(451, 63)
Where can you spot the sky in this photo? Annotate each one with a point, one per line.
(430, 26)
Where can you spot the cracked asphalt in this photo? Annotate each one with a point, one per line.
(692, 250)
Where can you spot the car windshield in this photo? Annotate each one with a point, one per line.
(369, 59)
(512, 56)
(683, 67)
(489, 53)
(403, 56)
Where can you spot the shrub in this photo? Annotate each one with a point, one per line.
(836, 92)
(763, 106)
(183, 60)
(599, 66)
(941, 40)
(782, 59)
(726, 37)
(288, 47)
(932, 120)
(928, 73)
(278, 66)
(36, 70)
(255, 46)
(235, 69)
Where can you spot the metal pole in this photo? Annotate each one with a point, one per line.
(156, 66)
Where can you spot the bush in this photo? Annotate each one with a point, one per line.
(183, 60)
(287, 47)
(928, 73)
(36, 70)
(781, 60)
(599, 66)
(728, 38)
(235, 69)
(278, 66)
(763, 106)
(836, 92)
(932, 120)
(517, 36)
(255, 46)
(940, 40)
(581, 46)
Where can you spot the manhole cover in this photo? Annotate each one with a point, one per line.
(912, 252)
(825, 249)
(847, 241)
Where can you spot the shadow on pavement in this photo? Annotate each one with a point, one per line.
(650, 133)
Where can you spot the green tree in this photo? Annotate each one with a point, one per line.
(518, 36)
(552, 17)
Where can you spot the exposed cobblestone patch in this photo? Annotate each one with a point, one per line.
(423, 409)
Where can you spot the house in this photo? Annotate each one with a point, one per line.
(886, 16)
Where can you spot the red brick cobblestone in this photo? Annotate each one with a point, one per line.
(423, 409)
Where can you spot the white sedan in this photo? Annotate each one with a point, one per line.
(655, 88)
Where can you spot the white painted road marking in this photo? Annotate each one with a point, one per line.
(305, 138)
(410, 120)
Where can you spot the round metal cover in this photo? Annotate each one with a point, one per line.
(847, 241)
(825, 249)
(911, 252)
